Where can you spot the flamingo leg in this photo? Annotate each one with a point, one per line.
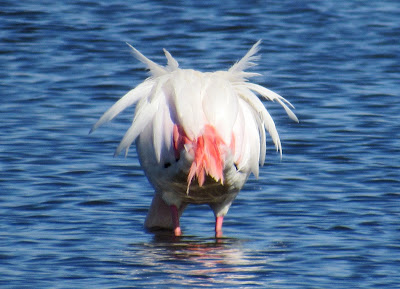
(218, 226)
(175, 220)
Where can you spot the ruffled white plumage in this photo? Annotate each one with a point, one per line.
(177, 92)
(191, 100)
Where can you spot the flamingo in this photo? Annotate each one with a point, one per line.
(199, 135)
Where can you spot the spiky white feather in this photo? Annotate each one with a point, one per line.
(238, 70)
(155, 69)
(191, 99)
(142, 90)
(172, 63)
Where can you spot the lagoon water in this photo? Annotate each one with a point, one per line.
(326, 215)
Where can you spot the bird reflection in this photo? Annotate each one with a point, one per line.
(201, 262)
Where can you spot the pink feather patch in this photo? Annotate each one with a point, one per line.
(208, 153)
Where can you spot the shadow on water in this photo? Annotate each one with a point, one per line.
(197, 262)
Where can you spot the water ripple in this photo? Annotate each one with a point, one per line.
(327, 213)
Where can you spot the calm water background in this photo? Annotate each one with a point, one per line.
(325, 216)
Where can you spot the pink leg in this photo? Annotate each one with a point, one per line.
(218, 226)
(175, 220)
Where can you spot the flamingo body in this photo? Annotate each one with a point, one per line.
(198, 135)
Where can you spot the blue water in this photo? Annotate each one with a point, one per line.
(325, 216)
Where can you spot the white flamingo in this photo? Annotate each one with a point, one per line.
(198, 135)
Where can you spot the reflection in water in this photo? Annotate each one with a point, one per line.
(197, 262)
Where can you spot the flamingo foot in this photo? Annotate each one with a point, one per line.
(175, 220)
(218, 226)
(177, 232)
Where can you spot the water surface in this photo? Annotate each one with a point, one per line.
(325, 215)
